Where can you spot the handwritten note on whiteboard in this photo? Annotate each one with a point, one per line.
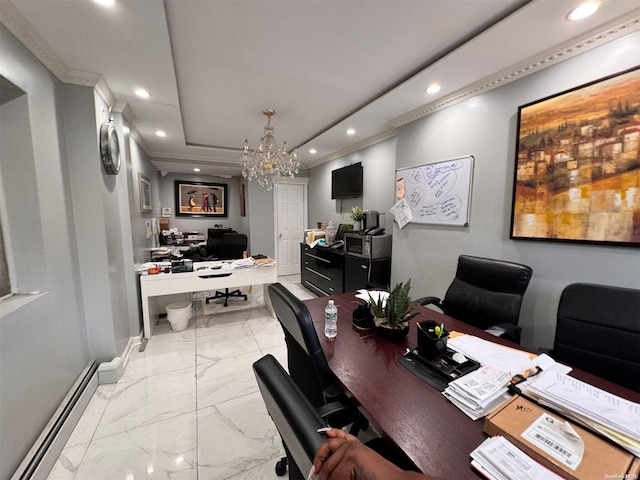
(438, 193)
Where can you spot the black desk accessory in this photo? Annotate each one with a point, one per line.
(439, 371)
(362, 318)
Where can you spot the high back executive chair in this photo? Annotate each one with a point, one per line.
(598, 330)
(486, 293)
(232, 247)
(292, 413)
(308, 365)
(214, 240)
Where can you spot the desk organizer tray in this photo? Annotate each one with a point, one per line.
(439, 371)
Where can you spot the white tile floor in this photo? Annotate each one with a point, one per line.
(188, 407)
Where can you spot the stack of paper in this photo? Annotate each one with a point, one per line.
(498, 459)
(492, 354)
(262, 261)
(614, 417)
(480, 392)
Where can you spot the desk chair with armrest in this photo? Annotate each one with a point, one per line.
(295, 418)
(598, 330)
(308, 365)
(214, 240)
(232, 247)
(486, 293)
(298, 421)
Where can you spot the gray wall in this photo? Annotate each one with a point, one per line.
(70, 236)
(201, 224)
(378, 171)
(43, 345)
(485, 127)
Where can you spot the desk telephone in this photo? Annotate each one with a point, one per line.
(374, 231)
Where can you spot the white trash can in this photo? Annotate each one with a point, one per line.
(179, 314)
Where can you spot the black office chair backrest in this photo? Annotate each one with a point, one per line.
(487, 292)
(214, 239)
(598, 330)
(295, 418)
(233, 246)
(307, 364)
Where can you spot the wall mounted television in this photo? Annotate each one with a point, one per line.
(346, 182)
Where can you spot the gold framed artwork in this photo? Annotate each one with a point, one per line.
(200, 199)
(577, 173)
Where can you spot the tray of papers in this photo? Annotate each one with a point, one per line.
(439, 371)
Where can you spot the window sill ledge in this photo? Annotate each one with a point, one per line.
(16, 301)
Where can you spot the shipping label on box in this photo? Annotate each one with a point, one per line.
(565, 448)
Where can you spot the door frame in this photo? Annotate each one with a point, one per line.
(304, 181)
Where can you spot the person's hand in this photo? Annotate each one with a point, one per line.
(344, 457)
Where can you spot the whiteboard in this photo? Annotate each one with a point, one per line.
(438, 193)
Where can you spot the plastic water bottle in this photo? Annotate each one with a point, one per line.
(330, 320)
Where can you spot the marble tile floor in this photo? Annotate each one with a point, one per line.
(188, 407)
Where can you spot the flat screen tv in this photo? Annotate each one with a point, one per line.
(346, 182)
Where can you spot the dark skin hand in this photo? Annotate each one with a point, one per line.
(344, 457)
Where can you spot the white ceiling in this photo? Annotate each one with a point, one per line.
(212, 66)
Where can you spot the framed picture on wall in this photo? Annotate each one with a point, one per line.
(145, 193)
(577, 173)
(201, 199)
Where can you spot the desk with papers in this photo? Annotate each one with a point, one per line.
(205, 276)
(434, 433)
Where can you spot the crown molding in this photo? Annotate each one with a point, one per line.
(15, 22)
(612, 31)
(367, 142)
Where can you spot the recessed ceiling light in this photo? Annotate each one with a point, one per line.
(313, 151)
(142, 93)
(196, 169)
(105, 3)
(351, 131)
(161, 133)
(584, 10)
(433, 88)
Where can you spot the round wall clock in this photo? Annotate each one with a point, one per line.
(109, 148)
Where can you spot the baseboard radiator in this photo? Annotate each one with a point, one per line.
(45, 451)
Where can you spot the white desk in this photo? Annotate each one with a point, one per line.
(207, 279)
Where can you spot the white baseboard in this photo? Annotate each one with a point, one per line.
(111, 372)
(38, 463)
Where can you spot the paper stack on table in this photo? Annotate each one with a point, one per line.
(499, 459)
(480, 392)
(608, 414)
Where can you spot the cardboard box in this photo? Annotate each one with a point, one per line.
(601, 459)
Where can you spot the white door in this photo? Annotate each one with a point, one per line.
(290, 215)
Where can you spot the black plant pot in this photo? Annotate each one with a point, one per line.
(394, 334)
(429, 345)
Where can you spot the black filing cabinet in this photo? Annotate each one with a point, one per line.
(358, 272)
(322, 270)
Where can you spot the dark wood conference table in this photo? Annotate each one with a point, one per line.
(434, 434)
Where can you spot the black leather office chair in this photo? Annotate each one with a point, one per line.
(486, 293)
(292, 413)
(232, 247)
(308, 365)
(297, 420)
(598, 330)
(214, 240)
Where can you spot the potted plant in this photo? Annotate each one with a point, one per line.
(357, 215)
(392, 315)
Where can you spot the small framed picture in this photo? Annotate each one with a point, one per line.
(145, 193)
(166, 211)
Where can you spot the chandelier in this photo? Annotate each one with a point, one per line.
(268, 164)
